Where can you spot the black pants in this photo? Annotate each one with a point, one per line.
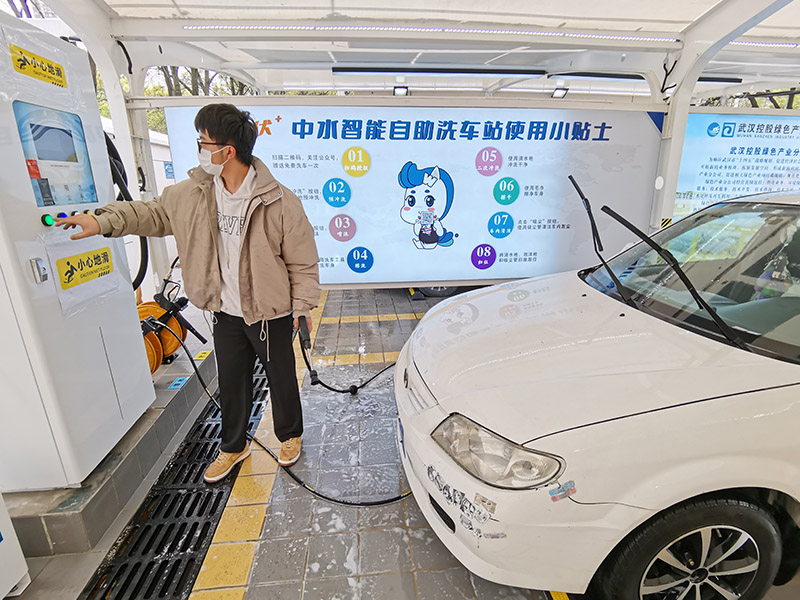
(236, 346)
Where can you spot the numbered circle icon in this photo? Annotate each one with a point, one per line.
(342, 228)
(355, 161)
(518, 295)
(336, 192)
(489, 161)
(360, 259)
(510, 311)
(483, 256)
(501, 224)
(506, 190)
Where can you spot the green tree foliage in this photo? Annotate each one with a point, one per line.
(780, 99)
(188, 81)
(178, 81)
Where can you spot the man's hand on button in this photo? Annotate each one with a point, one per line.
(88, 224)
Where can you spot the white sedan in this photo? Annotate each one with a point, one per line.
(571, 433)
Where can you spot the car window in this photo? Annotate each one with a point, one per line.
(744, 258)
(715, 239)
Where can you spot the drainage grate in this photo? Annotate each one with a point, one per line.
(160, 552)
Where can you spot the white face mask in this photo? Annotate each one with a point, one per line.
(204, 156)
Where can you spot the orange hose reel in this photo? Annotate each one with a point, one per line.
(155, 354)
(164, 344)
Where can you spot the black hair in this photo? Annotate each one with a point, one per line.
(226, 124)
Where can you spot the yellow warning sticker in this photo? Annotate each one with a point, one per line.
(38, 67)
(202, 355)
(559, 596)
(82, 268)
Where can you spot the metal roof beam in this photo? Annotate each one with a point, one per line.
(146, 55)
(646, 64)
(709, 34)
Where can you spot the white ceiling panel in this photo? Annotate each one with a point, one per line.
(459, 58)
(784, 23)
(371, 57)
(288, 56)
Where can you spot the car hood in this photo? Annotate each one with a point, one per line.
(532, 358)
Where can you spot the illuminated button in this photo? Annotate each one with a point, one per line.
(73, 213)
(48, 220)
(62, 215)
(87, 212)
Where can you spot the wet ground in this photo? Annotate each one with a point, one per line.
(311, 548)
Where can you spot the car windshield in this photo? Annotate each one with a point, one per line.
(743, 258)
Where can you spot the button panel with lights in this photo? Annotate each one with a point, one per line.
(50, 220)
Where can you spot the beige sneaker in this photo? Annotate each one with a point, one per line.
(290, 451)
(224, 464)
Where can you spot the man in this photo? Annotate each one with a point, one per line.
(247, 254)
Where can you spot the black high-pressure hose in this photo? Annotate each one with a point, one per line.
(369, 503)
(121, 180)
(305, 344)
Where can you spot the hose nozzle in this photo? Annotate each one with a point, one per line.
(305, 336)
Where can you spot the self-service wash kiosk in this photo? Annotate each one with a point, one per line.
(73, 374)
(14, 576)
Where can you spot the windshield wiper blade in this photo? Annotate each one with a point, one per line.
(598, 246)
(670, 259)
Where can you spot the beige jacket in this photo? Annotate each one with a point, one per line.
(278, 270)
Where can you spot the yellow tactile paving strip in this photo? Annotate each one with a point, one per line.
(355, 359)
(229, 594)
(368, 358)
(226, 567)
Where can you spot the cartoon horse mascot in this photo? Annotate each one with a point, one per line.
(427, 200)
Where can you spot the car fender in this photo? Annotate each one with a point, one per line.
(658, 459)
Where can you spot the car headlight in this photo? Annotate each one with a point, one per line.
(494, 459)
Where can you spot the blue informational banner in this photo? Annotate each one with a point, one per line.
(426, 194)
(169, 170)
(725, 156)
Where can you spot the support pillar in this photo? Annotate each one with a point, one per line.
(702, 40)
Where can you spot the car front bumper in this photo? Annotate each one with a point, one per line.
(520, 538)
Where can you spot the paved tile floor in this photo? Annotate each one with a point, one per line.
(311, 549)
(277, 542)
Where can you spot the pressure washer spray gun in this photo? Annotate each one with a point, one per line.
(305, 347)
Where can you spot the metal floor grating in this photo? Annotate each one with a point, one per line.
(160, 552)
